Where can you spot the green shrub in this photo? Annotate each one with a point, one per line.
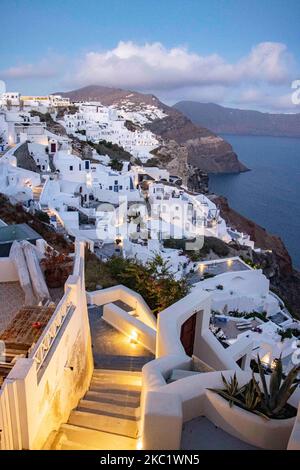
(153, 281)
(43, 216)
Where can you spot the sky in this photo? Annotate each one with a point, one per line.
(237, 53)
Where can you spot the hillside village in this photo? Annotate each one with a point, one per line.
(81, 186)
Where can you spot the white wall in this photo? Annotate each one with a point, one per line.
(40, 401)
(130, 326)
(8, 272)
(128, 296)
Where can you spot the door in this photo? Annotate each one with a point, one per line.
(187, 336)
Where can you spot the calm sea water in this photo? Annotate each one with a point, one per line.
(269, 193)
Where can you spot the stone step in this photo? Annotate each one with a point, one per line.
(113, 398)
(71, 445)
(121, 375)
(92, 439)
(113, 409)
(125, 389)
(116, 379)
(105, 423)
(125, 363)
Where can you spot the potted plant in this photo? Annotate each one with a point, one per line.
(257, 412)
(57, 267)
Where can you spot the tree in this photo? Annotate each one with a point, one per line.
(116, 164)
(153, 281)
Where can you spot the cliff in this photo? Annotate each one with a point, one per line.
(240, 121)
(205, 150)
(275, 261)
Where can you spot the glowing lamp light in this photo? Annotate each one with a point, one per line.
(134, 337)
(229, 263)
(139, 445)
(201, 267)
(266, 359)
(274, 364)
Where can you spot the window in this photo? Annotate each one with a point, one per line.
(87, 164)
(116, 182)
(79, 166)
(121, 187)
(110, 188)
(71, 168)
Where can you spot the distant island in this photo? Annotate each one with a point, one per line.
(224, 120)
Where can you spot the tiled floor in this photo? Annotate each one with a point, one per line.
(11, 300)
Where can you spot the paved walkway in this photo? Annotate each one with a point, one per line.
(112, 349)
(202, 434)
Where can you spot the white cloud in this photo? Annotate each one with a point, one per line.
(269, 100)
(50, 66)
(172, 74)
(152, 66)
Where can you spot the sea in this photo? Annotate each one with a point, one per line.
(269, 194)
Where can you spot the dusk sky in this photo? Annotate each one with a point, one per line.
(231, 52)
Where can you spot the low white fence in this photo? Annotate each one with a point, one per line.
(40, 391)
(130, 326)
(129, 297)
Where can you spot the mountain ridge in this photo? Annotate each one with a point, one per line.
(205, 150)
(224, 120)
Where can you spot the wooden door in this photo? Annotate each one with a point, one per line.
(187, 335)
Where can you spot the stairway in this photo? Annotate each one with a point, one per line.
(36, 191)
(59, 226)
(107, 416)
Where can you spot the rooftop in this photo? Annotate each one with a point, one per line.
(217, 267)
(13, 232)
(10, 233)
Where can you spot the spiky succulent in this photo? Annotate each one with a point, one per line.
(268, 401)
(276, 396)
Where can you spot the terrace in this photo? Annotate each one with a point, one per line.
(216, 267)
(22, 331)
(10, 233)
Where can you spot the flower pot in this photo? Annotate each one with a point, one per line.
(247, 426)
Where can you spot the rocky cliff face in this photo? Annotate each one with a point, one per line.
(275, 262)
(205, 150)
(174, 157)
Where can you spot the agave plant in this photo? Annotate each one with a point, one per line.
(275, 397)
(231, 390)
(268, 402)
(251, 394)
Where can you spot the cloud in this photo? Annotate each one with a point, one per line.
(45, 68)
(172, 74)
(152, 66)
(269, 100)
